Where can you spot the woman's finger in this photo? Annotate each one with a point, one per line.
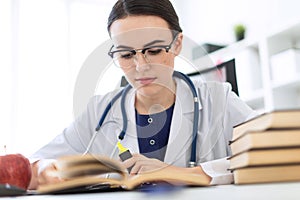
(48, 175)
(131, 161)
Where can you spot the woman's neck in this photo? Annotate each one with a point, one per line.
(159, 102)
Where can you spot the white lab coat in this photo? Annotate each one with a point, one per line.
(220, 109)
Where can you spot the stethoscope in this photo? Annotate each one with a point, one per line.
(123, 94)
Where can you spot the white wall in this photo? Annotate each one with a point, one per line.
(43, 44)
(213, 20)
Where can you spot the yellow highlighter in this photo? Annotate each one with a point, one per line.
(124, 153)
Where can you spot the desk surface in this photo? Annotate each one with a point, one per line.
(272, 191)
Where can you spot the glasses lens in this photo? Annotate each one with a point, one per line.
(123, 59)
(127, 59)
(155, 54)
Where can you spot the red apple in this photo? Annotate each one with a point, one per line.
(15, 170)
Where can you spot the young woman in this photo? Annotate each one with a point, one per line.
(146, 38)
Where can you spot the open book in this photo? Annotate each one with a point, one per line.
(79, 171)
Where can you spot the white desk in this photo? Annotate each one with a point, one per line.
(280, 191)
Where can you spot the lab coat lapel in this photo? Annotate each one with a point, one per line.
(180, 139)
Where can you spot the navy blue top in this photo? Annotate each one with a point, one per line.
(153, 133)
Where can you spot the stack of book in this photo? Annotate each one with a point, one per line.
(267, 148)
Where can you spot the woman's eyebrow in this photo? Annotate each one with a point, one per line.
(123, 47)
(153, 42)
(146, 45)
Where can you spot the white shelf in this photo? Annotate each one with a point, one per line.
(283, 39)
(286, 94)
(255, 83)
(288, 84)
(255, 100)
(256, 95)
(224, 54)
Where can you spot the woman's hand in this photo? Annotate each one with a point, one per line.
(48, 175)
(141, 164)
(43, 173)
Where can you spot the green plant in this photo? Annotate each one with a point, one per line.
(239, 31)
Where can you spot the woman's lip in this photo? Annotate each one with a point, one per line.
(146, 80)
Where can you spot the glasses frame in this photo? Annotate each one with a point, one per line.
(143, 50)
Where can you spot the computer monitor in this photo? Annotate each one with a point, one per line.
(224, 72)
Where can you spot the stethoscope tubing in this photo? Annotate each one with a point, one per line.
(123, 94)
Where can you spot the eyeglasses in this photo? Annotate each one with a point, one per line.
(125, 58)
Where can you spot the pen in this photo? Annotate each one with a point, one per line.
(124, 153)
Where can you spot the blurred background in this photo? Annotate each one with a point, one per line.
(43, 44)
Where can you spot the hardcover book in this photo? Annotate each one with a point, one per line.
(267, 174)
(265, 157)
(265, 140)
(281, 119)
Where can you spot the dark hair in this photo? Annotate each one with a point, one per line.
(160, 8)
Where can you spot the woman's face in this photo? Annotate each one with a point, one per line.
(150, 70)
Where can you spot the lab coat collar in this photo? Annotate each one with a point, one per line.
(184, 97)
